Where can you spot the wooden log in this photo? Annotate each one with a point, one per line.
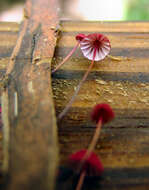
(123, 82)
(8, 38)
(30, 134)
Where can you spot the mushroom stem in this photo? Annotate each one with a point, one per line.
(77, 89)
(94, 141)
(95, 137)
(81, 180)
(66, 58)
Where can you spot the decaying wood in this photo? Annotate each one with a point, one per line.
(33, 150)
(124, 84)
(8, 38)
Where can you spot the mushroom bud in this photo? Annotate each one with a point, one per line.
(92, 166)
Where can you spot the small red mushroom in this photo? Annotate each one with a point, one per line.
(101, 114)
(79, 38)
(95, 47)
(92, 166)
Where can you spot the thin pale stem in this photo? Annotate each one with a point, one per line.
(81, 180)
(92, 144)
(94, 140)
(77, 89)
(66, 58)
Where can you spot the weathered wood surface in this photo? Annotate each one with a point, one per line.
(8, 38)
(123, 146)
(124, 84)
(31, 158)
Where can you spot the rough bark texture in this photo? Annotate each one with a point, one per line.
(30, 147)
(123, 82)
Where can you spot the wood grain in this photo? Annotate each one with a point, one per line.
(33, 151)
(124, 84)
(88, 26)
(123, 146)
(8, 38)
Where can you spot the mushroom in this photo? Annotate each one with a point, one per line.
(79, 38)
(95, 47)
(92, 166)
(101, 114)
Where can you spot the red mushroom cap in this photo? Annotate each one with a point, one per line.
(80, 37)
(102, 111)
(92, 165)
(95, 41)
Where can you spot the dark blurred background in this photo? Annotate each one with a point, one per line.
(5, 4)
(12, 10)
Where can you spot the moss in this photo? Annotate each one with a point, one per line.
(137, 10)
